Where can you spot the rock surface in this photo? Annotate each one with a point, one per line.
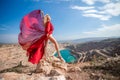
(14, 66)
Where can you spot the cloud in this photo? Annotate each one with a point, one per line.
(91, 2)
(105, 31)
(107, 11)
(111, 9)
(101, 17)
(3, 27)
(102, 31)
(66, 0)
(91, 11)
(81, 8)
(49, 1)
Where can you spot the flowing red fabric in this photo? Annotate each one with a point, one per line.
(33, 35)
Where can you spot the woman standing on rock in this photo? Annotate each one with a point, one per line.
(49, 30)
(36, 29)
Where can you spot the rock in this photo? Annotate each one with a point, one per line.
(61, 77)
(60, 65)
(45, 67)
(16, 66)
(2, 79)
(53, 59)
(15, 76)
(93, 74)
(50, 66)
(68, 77)
(53, 73)
(56, 62)
(74, 69)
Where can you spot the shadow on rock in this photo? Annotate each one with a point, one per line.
(18, 69)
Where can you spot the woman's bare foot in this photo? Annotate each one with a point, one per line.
(61, 58)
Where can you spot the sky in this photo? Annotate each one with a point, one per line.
(72, 19)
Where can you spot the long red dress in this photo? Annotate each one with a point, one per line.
(33, 35)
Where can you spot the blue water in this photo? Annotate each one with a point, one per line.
(67, 56)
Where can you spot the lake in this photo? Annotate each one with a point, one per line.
(67, 56)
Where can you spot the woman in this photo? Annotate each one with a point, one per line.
(49, 30)
(36, 29)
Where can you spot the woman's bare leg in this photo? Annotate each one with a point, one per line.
(44, 57)
(45, 48)
(52, 39)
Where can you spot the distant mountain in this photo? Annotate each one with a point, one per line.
(111, 42)
(106, 48)
(83, 40)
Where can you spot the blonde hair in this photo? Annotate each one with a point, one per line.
(48, 17)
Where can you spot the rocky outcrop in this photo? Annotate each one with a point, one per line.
(50, 69)
(52, 64)
(14, 65)
(16, 76)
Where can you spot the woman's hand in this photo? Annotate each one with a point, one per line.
(47, 35)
